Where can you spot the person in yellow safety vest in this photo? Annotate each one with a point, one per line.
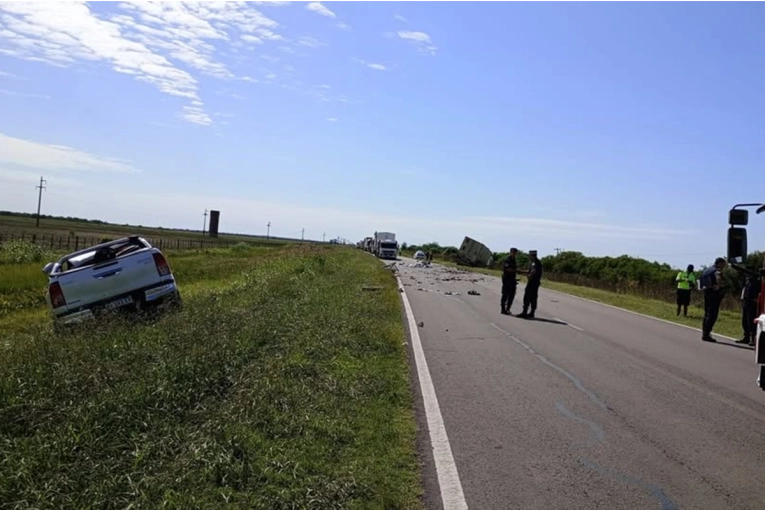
(686, 281)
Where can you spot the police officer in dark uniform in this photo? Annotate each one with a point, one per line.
(712, 285)
(532, 286)
(749, 295)
(509, 281)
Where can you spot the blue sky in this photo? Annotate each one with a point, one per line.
(606, 128)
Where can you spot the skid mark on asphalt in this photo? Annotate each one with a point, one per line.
(598, 436)
(597, 430)
(656, 492)
(549, 363)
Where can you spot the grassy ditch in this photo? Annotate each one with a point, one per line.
(22, 283)
(728, 323)
(281, 384)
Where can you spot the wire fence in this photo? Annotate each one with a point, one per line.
(75, 243)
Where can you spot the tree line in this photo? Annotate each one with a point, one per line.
(623, 274)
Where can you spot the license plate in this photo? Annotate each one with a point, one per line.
(119, 302)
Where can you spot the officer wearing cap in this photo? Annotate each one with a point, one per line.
(531, 293)
(509, 282)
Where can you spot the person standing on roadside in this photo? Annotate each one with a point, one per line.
(531, 294)
(509, 281)
(686, 281)
(712, 286)
(749, 295)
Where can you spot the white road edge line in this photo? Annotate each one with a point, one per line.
(636, 313)
(452, 496)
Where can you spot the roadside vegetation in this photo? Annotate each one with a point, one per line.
(281, 384)
(627, 282)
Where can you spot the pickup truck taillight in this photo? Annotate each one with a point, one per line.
(57, 298)
(162, 267)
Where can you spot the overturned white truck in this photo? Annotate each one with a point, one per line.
(474, 254)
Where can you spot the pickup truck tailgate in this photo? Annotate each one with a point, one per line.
(109, 280)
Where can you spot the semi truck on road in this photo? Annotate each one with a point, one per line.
(385, 245)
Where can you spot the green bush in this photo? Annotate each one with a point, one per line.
(23, 252)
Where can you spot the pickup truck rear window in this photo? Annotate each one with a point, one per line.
(101, 255)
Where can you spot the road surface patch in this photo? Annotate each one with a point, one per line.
(452, 496)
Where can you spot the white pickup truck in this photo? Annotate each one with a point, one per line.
(120, 273)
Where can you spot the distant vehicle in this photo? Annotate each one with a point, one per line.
(419, 255)
(127, 272)
(473, 253)
(385, 245)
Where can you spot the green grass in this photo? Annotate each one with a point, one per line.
(728, 323)
(22, 286)
(281, 384)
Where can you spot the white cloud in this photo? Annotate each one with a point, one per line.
(332, 119)
(400, 18)
(39, 156)
(310, 42)
(10, 76)
(414, 36)
(29, 178)
(572, 229)
(321, 9)
(371, 65)
(343, 26)
(421, 40)
(14, 93)
(148, 40)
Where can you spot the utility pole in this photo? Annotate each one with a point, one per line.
(204, 224)
(41, 187)
(558, 250)
(268, 233)
(324, 237)
(302, 235)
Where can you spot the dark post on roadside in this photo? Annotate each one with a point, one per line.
(214, 222)
(737, 254)
(204, 223)
(41, 187)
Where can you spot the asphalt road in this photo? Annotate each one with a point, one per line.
(585, 407)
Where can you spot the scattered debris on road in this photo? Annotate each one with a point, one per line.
(421, 324)
(474, 293)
